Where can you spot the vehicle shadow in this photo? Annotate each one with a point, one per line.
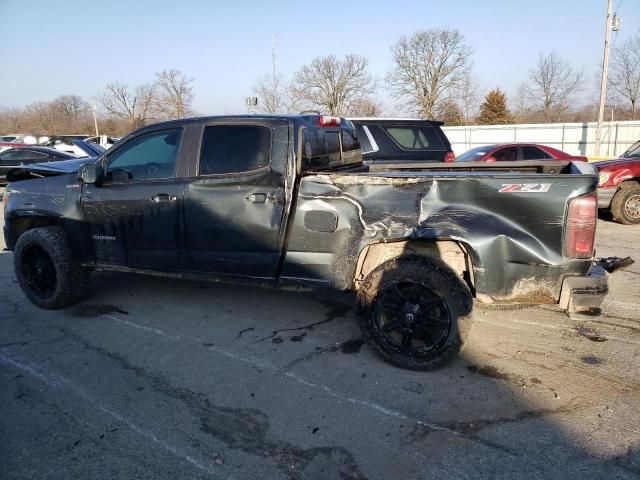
(516, 403)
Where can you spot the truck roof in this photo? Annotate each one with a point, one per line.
(394, 119)
(310, 118)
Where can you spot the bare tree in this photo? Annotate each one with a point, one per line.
(332, 85)
(274, 95)
(429, 66)
(625, 71)
(365, 107)
(522, 103)
(554, 82)
(450, 113)
(467, 96)
(173, 94)
(70, 106)
(133, 106)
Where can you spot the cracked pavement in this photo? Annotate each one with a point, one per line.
(156, 378)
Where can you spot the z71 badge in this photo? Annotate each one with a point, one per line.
(525, 187)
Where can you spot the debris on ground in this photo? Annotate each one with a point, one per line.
(611, 264)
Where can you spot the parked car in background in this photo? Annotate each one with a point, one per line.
(509, 152)
(392, 140)
(619, 187)
(26, 155)
(19, 138)
(64, 143)
(7, 145)
(104, 141)
(632, 152)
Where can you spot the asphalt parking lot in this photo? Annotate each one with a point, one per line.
(155, 378)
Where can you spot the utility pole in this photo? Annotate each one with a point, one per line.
(95, 119)
(273, 58)
(603, 82)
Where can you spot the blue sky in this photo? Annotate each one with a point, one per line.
(77, 47)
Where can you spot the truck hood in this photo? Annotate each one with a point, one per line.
(47, 169)
(617, 163)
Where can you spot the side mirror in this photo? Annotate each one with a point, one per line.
(490, 159)
(89, 173)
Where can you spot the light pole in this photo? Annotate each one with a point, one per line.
(95, 119)
(613, 23)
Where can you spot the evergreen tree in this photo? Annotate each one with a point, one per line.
(493, 110)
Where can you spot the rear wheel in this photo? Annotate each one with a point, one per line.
(47, 271)
(625, 205)
(415, 313)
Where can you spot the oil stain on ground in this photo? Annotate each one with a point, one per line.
(335, 309)
(96, 310)
(590, 334)
(348, 347)
(352, 346)
(591, 360)
(489, 372)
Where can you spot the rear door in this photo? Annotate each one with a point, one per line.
(234, 204)
(134, 217)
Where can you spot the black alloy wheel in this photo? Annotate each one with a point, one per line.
(411, 319)
(39, 270)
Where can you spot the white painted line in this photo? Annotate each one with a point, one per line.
(194, 340)
(58, 381)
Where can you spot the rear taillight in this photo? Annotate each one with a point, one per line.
(326, 121)
(450, 157)
(581, 226)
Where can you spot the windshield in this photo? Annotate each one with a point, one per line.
(474, 154)
(633, 152)
(90, 148)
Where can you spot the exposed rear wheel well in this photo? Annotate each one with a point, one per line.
(22, 224)
(451, 253)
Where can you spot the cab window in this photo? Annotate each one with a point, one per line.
(150, 156)
(234, 149)
(414, 137)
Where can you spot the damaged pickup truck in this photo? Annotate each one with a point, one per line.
(286, 201)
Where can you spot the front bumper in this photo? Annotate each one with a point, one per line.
(605, 195)
(584, 294)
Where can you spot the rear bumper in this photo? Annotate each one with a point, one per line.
(584, 294)
(605, 195)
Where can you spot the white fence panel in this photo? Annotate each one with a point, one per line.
(573, 138)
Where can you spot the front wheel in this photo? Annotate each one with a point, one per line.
(625, 205)
(415, 312)
(47, 271)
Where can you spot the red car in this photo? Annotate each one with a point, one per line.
(619, 188)
(515, 151)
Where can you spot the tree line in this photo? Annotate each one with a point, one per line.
(431, 76)
(118, 109)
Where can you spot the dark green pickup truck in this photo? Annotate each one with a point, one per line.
(286, 201)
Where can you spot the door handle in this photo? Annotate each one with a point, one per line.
(163, 198)
(257, 197)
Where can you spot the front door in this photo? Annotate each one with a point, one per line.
(234, 208)
(133, 217)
